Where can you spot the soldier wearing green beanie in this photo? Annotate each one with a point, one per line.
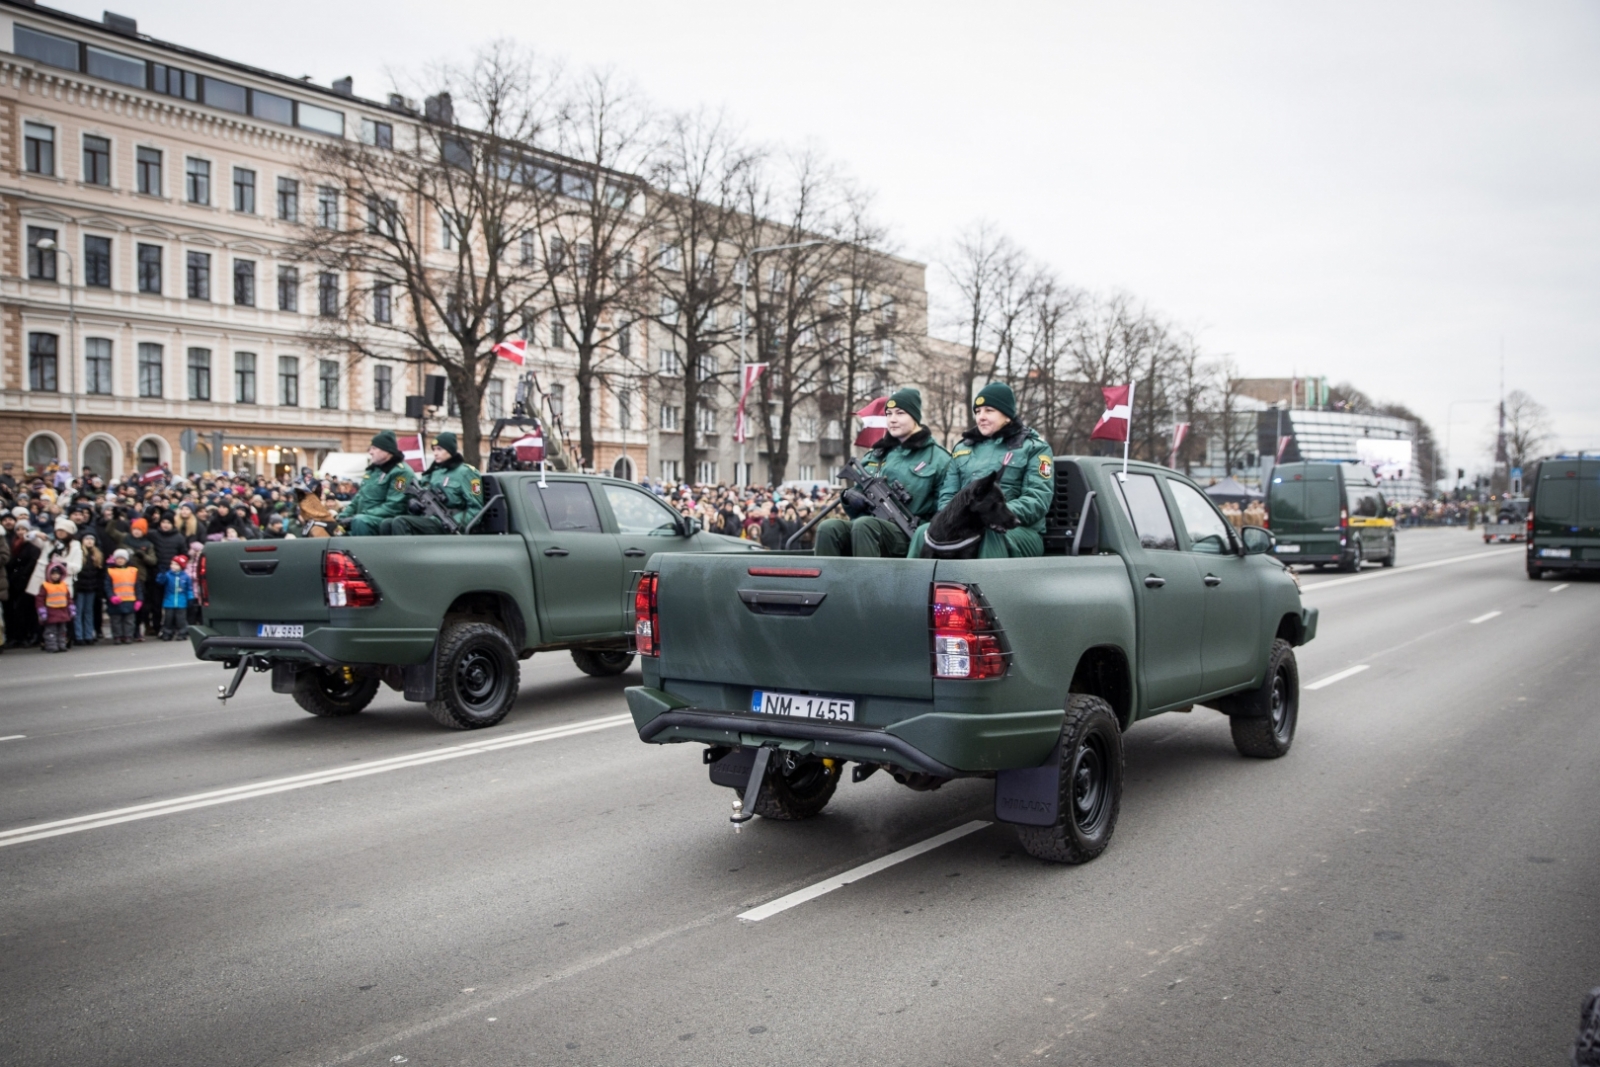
(907, 454)
(1000, 442)
(383, 491)
(458, 480)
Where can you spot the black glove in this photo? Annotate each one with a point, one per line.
(856, 503)
(414, 506)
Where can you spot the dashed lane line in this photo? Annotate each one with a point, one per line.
(1558, 588)
(1485, 617)
(22, 834)
(1390, 572)
(1348, 672)
(156, 667)
(13, 737)
(855, 874)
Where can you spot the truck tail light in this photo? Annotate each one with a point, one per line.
(646, 620)
(1530, 526)
(966, 639)
(1344, 518)
(205, 586)
(346, 583)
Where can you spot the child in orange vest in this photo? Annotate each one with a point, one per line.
(55, 608)
(124, 597)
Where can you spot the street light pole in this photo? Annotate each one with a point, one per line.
(49, 245)
(1449, 426)
(744, 314)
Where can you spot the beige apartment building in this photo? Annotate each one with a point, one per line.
(150, 195)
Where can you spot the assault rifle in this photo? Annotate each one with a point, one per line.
(429, 500)
(881, 497)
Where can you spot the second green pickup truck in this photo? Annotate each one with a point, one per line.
(788, 667)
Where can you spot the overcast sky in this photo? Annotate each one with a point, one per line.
(1374, 192)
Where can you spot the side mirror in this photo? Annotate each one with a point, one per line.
(688, 526)
(1257, 541)
(1086, 540)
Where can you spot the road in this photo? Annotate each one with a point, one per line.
(1418, 882)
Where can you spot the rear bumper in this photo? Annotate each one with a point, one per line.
(322, 643)
(943, 744)
(1550, 563)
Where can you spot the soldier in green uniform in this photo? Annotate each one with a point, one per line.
(907, 454)
(383, 491)
(1000, 442)
(458, 480)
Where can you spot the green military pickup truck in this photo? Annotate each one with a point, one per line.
(789, 666)
(547, 565)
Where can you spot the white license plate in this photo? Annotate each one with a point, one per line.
(1556, 553)
(1288, 548)
(828, 709)
(281, 629)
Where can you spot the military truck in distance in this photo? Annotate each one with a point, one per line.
(547, 566)
(1564, 516)
(1027, 671)
(1329, 513)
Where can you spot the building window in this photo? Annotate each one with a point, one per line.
(382, 216)
(705, 419)
(41, 261)
(149, 370)
(327, 207)
(382, 303)
(808, 428)
(96, 160)
(244, 190)
(39, 148)
(669, 470)
(288, 288)
(558, 329)
(197, 181)
(668, 363)
(670, 257)
(289, 381)
(496, 397)
(199, 374)
(556, 261)
(170, 81)
(147, 170)
(709, 367)
(669, 418)
(97, 366)
(382, 388)
(244, 282)
(625, 342)
(150, 268)
(447, 231)
(328, 383)
(669, 311)
(97, 262)
(377, 134)
(808, 472)
(625, 409)
(705, 472)
(526, 253)
(288, 200)
(244, 377)
(328, 295)
(42, 362)
(199, 276)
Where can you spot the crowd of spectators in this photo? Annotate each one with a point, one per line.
(754, 513)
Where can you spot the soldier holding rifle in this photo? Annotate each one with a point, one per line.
(907, 455)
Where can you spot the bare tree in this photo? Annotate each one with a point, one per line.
(871, 315)
(1527, 428)
(419, 234)
(1233, 429)
(987, 277)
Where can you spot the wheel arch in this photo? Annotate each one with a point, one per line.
(1103, 671)
(498, 607)
(1291, 628)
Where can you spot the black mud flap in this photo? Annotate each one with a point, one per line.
(733, 770)
(1029, 796)
(420, 677)
(283, 677)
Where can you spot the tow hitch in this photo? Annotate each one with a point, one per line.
(744, 809)
(245, 664)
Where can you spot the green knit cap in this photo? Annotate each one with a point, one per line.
(997, 395)
(908, 400)
(447, 441)
(385, 440)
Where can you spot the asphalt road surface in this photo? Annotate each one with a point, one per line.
(1417, 883)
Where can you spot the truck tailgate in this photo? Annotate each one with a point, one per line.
(266, 581)
(859, 629)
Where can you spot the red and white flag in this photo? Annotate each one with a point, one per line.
(874, 422)
(1283, 446)
(530, 447)
(154, 474)
(1179, 432)
(1113, 424)
(411, 450)
(752, 375)
(513, 351)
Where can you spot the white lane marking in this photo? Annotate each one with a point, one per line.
(1485, 617)
(22, 834)
(1348, 672)
(855, 874)
(157, 667)
(13, 737)
(1558, 588)
(1372, 576)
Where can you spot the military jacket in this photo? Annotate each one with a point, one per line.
(918, 463)
(382, 494)
(461, 484)
(1028, 472)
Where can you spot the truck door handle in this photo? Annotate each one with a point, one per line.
(1212, 580)
(555, 552)
(634, 552)
(1154, 581)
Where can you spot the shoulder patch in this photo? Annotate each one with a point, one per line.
(1044, 467)
(477, 487)
(399, 481)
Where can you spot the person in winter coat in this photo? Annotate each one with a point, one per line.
(195, 548)
(124, 597)
(5, 581)
(27, 546)
(89, 592)
(169, 542)
(55, 607)
(142, 555)
(64, 549)
(177, 590)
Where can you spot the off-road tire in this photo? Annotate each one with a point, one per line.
(799, 795)
(1357, 558)
(1388, 561)
(330, 693)
(476, 679)
(602, 662)
(1091, 786)
(1263, 720)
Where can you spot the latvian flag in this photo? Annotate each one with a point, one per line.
(411, 450)
(1113, 424)
(530, 447)
(874, 422)
(513, 351)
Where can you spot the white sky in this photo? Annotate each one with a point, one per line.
(1376, 192)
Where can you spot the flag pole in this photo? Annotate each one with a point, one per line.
(1127, 437)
